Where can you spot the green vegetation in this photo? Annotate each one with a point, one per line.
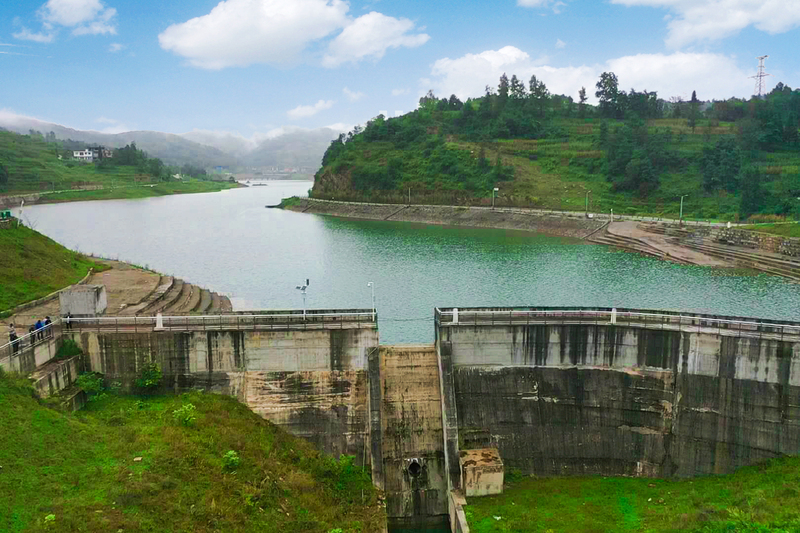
(33, 266)
(785, 230)
(758, 499)
(634, 153)
(31, 164)
(123, 464)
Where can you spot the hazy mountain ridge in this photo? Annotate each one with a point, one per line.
(301, 148)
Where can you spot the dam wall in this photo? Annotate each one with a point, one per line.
(308, 376)
(621, 393)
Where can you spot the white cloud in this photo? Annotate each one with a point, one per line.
(560, 43)
(353, 96)
(711, 75)
(709, 20)
(398, 92)
(305, 111)
(398, 112)
(245, 32)
(85, 17)
(42, 37)
(543, 4)
(114, 126)
(340, 127)
(371, 35)
(116, 47)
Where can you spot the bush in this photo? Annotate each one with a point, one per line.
(150, 377)
(231, 460)
(185, 415)
(91, 383)
(68, 349)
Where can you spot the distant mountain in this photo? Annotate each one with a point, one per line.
(293, 149)
(171, 149)
(229, 143)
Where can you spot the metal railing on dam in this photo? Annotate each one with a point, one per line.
(643, 318)
(325, 319)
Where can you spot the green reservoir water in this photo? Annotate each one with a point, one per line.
(229, 243)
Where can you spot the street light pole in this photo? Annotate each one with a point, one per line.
(494, 191)
(372, 287)
(302, 289)
(587, 202)
(680, 217)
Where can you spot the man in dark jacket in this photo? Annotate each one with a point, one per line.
(12, 338)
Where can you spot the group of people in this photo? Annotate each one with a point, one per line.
(37, 331)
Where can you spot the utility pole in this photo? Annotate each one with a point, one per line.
(302, 289)
(680, 217)
(587, 202)
(759, 90)
(409, 196)
(372, 287)
(494, 191)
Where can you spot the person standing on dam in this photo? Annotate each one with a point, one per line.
(13, 339)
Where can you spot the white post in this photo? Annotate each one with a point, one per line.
(612, 215)
(614, 315)
(455, 315)
(159, 322)
(372, 287)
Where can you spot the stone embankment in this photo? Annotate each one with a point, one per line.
(565, 224)
(725, 247)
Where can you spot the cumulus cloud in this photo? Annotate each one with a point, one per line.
(38, 37)
(113, 125)
(245, 32)
(556, 5)
(305, 111)
(116, 47)
(709, 20)
(369, 36)
(711, 75)
(353, 96)
(560, 43)
(85, 17)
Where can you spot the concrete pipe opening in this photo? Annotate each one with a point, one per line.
(414, 468)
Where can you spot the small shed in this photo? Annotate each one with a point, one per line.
(83, 301)
(481, 472)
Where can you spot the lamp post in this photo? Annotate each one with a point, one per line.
(372, 287)
(587, 202)
(680, 217)
(494, 191)
(302, 289)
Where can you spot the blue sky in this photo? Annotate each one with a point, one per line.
(255, 67)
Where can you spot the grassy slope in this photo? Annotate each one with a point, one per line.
(554, 174)
(33, 166)
(33, 266)
(764, 498)
(785, 230)
(81, 469)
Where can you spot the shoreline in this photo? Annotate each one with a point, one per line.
(560, 225)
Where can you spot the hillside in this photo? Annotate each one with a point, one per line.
(292, 149)
(171, 149)
(634, 154)
(33, 266)
(127, 464)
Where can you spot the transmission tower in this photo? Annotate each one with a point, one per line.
(759, 91)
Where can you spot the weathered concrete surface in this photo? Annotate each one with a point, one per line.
(312, 383)
(605, 399)
(563, 224)
(482, 472)
(31, 355)
(55, 376)
(411, 431)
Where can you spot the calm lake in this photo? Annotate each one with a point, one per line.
(230, 243)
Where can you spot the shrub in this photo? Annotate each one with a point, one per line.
(185, 415)
(92, 384)
(150, 377)
(68, 349)
(231, 460)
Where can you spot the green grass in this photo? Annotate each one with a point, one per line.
(81, 469)
(131, 192)
(33, 266)
(785, 230)
(762, 498)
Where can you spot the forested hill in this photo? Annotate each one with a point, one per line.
(633, 153)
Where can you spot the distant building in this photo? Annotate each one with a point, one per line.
(93, 152)
(83, 155)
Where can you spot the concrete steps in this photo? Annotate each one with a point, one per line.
(180, 302)
(168, 299)
(151, 300)
(206, 300)
(765, 264)
(194, 300)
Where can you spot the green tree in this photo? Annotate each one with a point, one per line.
(693, 111)
(539, 94)
(608, 94)
(754, 198)
(582, 102)
(517, 88)
(503, 89)
(3, 175)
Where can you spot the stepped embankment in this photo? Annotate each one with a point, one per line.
(564, 224)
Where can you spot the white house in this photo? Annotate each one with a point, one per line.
(83, 155)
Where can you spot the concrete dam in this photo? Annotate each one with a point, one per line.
(556, 391)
